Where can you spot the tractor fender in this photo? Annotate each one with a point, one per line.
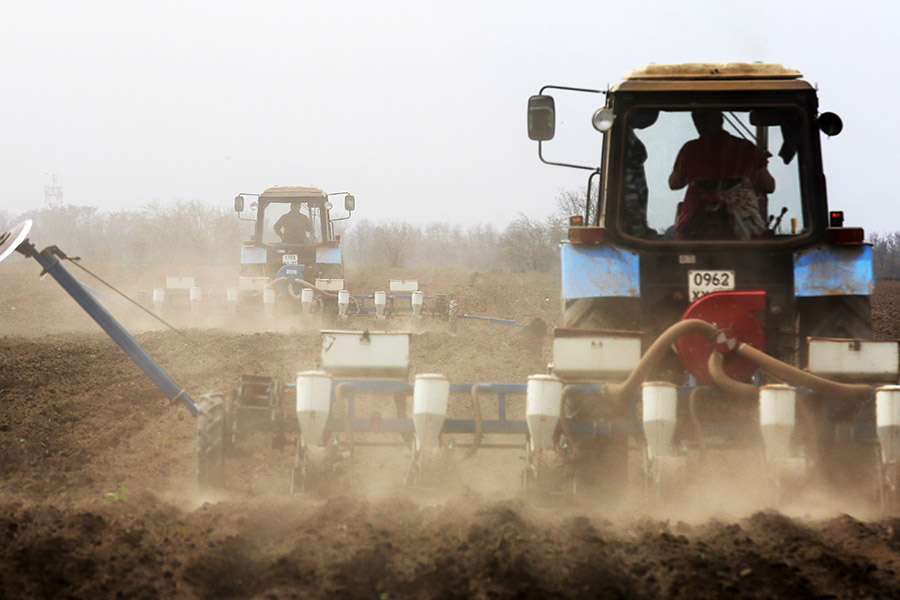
(834, 271)
(329, 255)
(597, 271)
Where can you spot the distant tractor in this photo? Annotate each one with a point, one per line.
(293, 243)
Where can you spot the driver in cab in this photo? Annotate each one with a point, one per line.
(724, 175)
(293, 227)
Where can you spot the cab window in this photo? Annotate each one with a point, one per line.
(276, 211)
(711, 174)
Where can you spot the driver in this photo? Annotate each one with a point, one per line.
(725, 175)
(636, 192)
(293, 227)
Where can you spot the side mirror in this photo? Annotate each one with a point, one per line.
(349, 203)
(239, 204)
(541, 118)
(830, 124)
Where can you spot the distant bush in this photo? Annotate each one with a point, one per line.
(437, 245)
(191, 232)
(886, 255)
(188, 232)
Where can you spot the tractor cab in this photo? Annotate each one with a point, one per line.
(292, 226)
(698, 155)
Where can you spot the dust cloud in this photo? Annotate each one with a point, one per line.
(98, 491)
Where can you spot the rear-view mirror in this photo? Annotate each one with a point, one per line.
(541, 118)
(349, 203)
(239, 204)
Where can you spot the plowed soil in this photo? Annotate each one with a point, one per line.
(98, 496)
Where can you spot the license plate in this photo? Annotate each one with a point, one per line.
(289, 259)
(701, 283)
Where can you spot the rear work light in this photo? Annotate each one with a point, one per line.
(844, 235)
(587, 235)
(576, 221)
(333, 243)
(836, 218)
(249, 243)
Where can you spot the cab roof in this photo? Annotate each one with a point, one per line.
(714, 71)
(713, 76)
(285, 193)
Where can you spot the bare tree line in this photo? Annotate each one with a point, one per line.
(191, 232)
(886, 254)
(525, 244)
(180, 232)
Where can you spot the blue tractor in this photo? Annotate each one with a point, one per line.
(706, 204)
(293, 242)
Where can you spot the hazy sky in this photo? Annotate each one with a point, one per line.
(418, 108)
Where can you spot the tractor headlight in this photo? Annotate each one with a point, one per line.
(603, 119)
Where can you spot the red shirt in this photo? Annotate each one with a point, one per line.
(719, 156)
(714, 157)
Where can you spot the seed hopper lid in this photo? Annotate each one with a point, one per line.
(10, 240)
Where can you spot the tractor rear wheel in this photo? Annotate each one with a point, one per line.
(834, 317)
(331, 271)
(845, 463)
(211, 429)
(601, 313)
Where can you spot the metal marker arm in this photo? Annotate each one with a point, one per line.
(110, 325)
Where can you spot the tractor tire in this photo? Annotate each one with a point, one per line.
(331, 271)
(832, 317)
(835, 316)
(845, 464)
(211, 443)
(601, 313)
(599, 465)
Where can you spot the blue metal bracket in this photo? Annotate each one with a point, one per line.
(49, 260)
(500, 425)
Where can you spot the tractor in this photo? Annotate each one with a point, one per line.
(282, 261)
(707, 205)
